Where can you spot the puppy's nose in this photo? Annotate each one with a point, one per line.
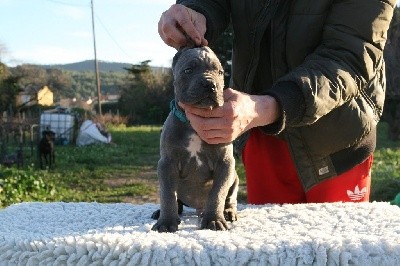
(209, 85)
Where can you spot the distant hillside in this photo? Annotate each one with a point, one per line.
(88, 65)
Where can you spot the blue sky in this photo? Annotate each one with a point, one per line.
(60, 31)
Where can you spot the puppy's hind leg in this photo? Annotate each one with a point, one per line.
(156, 214)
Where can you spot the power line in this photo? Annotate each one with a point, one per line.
(67, 4)
(98, 19)
(111, 37)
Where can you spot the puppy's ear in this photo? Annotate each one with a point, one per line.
(189, 45)
(176, 57)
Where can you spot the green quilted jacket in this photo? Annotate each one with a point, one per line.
(326, 71)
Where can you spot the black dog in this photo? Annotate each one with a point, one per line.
(46, 148)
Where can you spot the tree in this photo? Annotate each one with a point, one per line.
(3, 50)
(4, 71)
(59, 82)
(145, 99)
(37, 77)
(30, 75)
(391, 110)
(8, 89)
(8, 85)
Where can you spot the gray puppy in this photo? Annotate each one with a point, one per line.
(192, 172)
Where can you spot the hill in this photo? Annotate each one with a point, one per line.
(88, 65)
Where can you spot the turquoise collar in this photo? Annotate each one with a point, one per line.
(177, 112)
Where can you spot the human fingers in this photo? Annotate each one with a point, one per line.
(211, 130)
(253, 110)
(218, 125)
(197, 33)
(169, 29)
(195, 28)
(202, 112)
(179, 20)
(229, 94)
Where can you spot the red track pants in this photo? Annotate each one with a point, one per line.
(272, 177)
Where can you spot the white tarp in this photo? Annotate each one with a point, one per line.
(89, 133)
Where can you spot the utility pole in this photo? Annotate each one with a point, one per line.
(96, 65)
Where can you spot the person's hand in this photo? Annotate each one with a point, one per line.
(179, 21)
(239, 113)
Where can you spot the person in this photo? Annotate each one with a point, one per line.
(306, 92)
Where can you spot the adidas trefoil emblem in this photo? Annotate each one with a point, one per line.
(357, 194)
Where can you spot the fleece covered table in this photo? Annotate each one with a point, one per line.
(120, 234)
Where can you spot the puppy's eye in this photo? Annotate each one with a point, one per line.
(221, 73)
(188, 70)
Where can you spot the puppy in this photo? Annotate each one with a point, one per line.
(192, 172)
(46, 148)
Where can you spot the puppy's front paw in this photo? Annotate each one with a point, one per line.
(165, 226)
(214, 223)
(230, 214)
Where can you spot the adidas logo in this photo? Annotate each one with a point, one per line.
(357, 194)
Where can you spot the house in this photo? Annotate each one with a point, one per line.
(111, 98)
(33, 95)
(76, 103)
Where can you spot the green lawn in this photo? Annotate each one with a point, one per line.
(126, 171)
(110, 173)
(386, 167)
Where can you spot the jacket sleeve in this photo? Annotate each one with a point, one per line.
(338, 70)
(217, 13)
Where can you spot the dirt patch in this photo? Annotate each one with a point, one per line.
(148, 178)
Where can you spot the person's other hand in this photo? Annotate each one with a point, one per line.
(239, 113)
(179, 20)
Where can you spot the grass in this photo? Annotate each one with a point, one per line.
(110, 173)
(386, 167)
(126, 171)
(115, 172)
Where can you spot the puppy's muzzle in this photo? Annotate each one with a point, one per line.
(209, 85)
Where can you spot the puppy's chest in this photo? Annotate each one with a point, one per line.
(193, 157)
(198, 156)
(194, 148)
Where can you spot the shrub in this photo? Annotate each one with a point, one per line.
(18, 185)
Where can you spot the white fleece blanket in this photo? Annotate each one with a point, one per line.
(120, 234)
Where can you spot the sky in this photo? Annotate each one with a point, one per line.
(60, 31)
